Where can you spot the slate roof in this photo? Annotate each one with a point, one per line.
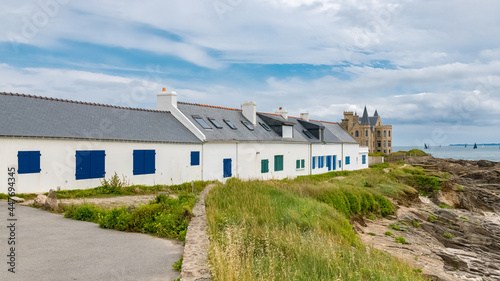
(226, 133)
(368, 120)
(32, 116)
(340, 134)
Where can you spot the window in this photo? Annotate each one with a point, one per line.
(264, 166)
(366, 133)
(329, 162)
(287, 131)
(385, 144)
(144, 162)
(300, 164)
(385, 134)
(28, 162)
(363, 159)
(378, 134)
(264, 125)
(314, 162)
(348, 160)
(90, 164)
(248, 125)
(366, 143)
(389, 145)
(278, 163)
(230, 124)
(202, 122)
(308, 134)
(195, 158)
(379, 144)
(215, 123)
(357, 134)
(389, 133)
(321, 161)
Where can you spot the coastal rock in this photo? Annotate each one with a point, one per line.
(485, 163)
(40, 200)
(51, 201)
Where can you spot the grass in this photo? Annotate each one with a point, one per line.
(448, 235)
(444, 206)
(388, 233)
(177, 266)
(165, 216)
(299, 229)
(432, 218)
(401, 240)
(415, 224)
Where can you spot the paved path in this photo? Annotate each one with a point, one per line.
(50, 247)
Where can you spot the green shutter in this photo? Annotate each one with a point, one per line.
(264, 166)
(297, 165)
(303, 163)
(278, 163)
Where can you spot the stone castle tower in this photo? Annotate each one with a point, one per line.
(368, 131)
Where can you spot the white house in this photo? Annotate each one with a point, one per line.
(56, 143)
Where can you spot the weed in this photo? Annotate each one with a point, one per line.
(464, 218)
(388, 233)
(444, 206)
(177, 266)
(371, 234)
(448, 235)
(404, 223)
(460, 188)
(395, 227)
(372, 216)
(400, 239)
(415, 223)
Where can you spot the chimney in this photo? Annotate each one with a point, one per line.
(282, 112)
(304, 116)
(165, 100)
(249, 110)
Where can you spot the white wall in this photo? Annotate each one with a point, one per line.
(58, 165)
(353, 151)
(323, 150)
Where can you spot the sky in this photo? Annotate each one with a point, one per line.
(430, 68)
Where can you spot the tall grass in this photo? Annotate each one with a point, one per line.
(281, 230)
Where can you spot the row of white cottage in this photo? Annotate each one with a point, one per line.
(55, 143)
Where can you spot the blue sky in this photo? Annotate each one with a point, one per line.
(430, 68)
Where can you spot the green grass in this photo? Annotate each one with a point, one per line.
(177, 266)
(401, 240)
(444, 206)
(432, 218)
(415, 224)
(297, 230)
(448, 235)
(165, 216)
(388, 233)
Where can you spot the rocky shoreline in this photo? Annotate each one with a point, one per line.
(458, 243)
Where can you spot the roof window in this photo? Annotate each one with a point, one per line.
(248, 125)
(215, 123)
(264, 125)
(202, 122)
(308, 134)
(230, 124)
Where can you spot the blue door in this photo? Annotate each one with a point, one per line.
(227, 168)
(329, 162)
(334, 162)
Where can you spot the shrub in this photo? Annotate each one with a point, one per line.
(83, 212)
(112, 186)
(460, 188)
(177, 266)
(371, 234)
(415, 223)
(448, 235)
(388, 233)
(400, 239)
(395, 227)
(431, 218)
(444, 206)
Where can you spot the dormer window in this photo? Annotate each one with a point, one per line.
(287, 131)
(202, 122)
(230, 124)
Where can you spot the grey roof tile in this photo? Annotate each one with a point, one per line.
(32, 116)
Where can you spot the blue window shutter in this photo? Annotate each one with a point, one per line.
(138, 162)
(97, 164)
(82, 165)
(149, 161)
(363, 159)
(314, 162)
(195, 158)
(334, 162)
(340, 163)
(329, 162)
(35, 161)
(23, 160)
(227, 168)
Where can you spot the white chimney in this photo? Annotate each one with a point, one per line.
(282, 112)
(165, 100)
(304, 116)
(249, 110)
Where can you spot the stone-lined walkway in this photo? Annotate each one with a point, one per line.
(195, 263)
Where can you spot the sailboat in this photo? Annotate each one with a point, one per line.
(465, 145)
(475, 146)
(425, 146)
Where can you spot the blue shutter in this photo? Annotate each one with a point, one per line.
(329, 162)
(97, 164)
(23, 162)
(340, 164)
(82, 165)
(334, 162)
(363, 159)
(149, 162)
(35, 161)
(348, 160)
(195, 158)
(227, 168)
(138, 162)
(314, 162)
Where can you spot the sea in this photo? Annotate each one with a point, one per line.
(491, 153)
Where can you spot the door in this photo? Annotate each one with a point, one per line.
(227, 168)
(329, 162)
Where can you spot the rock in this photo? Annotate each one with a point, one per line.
(17, 199)
(40, 200)
(485, 163)
(51, 201)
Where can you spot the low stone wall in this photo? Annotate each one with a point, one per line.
(373, 160)
(195, 262)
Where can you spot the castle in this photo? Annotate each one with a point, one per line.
(368, 131)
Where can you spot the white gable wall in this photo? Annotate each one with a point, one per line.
(324, 150)
(57, 163)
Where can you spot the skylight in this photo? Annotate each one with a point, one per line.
(248, 125)
(308, 134)
(264, 125)
(231, 125)
(215, 123)
(202, 122)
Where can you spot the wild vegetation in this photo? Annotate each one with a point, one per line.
(299, 229)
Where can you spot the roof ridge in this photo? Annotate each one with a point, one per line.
(211, 106)
(300, 118)
(81, 102)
